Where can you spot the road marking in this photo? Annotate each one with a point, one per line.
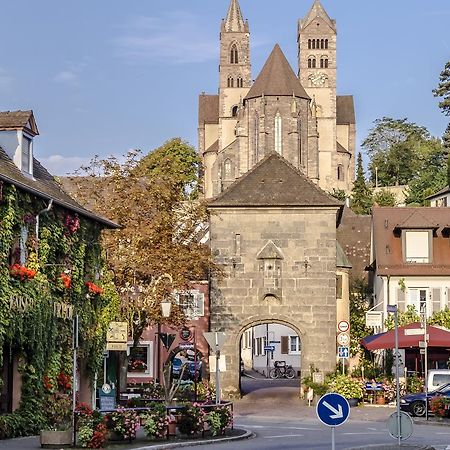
(372, 432)
(372, 429)
(276, 428)
(283, 436)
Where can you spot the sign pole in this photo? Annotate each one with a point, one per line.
(74, 374)
(397, 381)
(217, 371)
(333, 445)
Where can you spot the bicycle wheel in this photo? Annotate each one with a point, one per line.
(290, 373)
(274, 373)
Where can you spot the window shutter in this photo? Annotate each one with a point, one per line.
(414, 299)
(199, 304)
(436, 301)
(284, 345)
(400, 300)
(339, 286)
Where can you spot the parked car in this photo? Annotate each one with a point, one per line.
(415, 403)
(437, 378)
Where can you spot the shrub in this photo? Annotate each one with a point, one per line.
(219, 420)
(347, 387)
(191, 420)
(156, 421)
(438, 406)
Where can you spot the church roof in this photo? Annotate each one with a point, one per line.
(274, 182)
(317, 10)
(208, 109)
(345, 110)
(276, 78)
(341, 148)
(234, 20)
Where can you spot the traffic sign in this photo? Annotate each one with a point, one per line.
(269, 348)
(333, 409)
(117, 332)
(406, 425)
(215, 338)
(343, 339)
(116, 346)
(343, 326)
(343, 352)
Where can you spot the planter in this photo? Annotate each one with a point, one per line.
(172, 428)
(353, 402)
(56, 439)
(381, 401)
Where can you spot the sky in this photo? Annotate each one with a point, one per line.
(103, 77)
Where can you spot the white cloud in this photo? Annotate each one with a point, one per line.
(5, 80)
(63, 165)
(66, 77)
(176, 38)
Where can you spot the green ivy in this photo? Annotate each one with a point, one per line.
(40, 340)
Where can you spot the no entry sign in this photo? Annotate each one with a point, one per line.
(343, 326)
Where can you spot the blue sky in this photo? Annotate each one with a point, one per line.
(106, 76)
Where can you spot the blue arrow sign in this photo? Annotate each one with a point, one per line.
(343, 352)
(269, 348)
(333, 409)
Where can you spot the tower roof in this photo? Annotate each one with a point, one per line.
(274, 182)
(234, 20)
(277, 78)
(317, 10)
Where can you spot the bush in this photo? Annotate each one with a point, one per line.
(438, 406)
(191, 421)
(156, 421)
(347, 387)
(219, 420)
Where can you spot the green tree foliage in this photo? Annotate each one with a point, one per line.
(339, 194)
(443, 90)
(359, 305)
(404, 318)
(441, 318)
(361, 197)
(384, 198)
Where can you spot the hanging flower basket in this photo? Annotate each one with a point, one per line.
(137, 365)
(93, 288)
(22, 273)
(66, 280)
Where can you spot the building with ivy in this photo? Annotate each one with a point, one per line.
(51, 270)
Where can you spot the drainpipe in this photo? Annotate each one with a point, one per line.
(43, 211)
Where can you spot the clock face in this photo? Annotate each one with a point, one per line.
(318, 79)
(106, 388)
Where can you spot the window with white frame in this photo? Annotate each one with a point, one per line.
(247, 339)
(192, 303)
(417, 297)
(26, 154)
(417, 247)
(294, 345)
(140, 359)
(259, 346)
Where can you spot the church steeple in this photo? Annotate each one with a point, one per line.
(317, 10)
(234, 20)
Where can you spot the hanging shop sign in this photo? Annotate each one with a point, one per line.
(63, 311)
(19, 303)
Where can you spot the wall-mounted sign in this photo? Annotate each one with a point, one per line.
(116, 346)
(63, 311)
(185, 334)
(117, 332)
(19, 303)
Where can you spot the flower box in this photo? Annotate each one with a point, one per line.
(56, 439)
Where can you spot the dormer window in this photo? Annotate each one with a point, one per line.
(417, 246)
(26, 154)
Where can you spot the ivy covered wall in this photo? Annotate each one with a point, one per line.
(45, 279)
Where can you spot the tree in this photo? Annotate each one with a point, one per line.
(156, 250)
(361, 197)
(384, 198)
(443, 90)
(359, 305)
(340, 194)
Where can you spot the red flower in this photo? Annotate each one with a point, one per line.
(93, 288)
(48, 385)
(64, 382)
(21, 272)
(66, 280)
(71, 222)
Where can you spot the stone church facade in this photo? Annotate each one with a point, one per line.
(299, 116)
(271, 149)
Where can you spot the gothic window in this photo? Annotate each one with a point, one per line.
(340, 172)
(256, 138)
(230, 82)
(313, 43)
(309, 44)
(326, 44)
(227, 169)
(239, 82)
(278, 133)
(324, 62)
(234, 111)
(311, 62)
(322, 43)
(234, 54)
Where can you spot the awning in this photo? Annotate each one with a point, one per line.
(438, 337)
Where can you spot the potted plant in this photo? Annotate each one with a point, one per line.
(219, 419)
(91, 428)
(156, 421)
(58, 413)
(191, 419)
(350, 388)
(122, 424)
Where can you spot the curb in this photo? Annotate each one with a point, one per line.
(247, 435)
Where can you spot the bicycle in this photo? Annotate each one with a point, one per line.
(282, 370)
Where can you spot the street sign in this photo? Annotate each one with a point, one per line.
(343, 339)
(406, 425)
(391, 308)
(374, 319)
(343, 326)
(332, 409)
(269, 348)
(212, 364)
(274, 342)
(413, 331)
(215, 337)
(186, 346)
(117, 332)
(167, 339)
(343, 352)
(116, 346)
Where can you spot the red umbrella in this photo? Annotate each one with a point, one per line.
(438, 337)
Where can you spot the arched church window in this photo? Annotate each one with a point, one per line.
(309, 44)
(311, 62)
(324, 62)
(256, 138)
(239, 82)
(227, 169)
(234, 111)
(230, 82)
(278, 133)
(234, 54)
(326, 43)
(340, 172)
(313, 43)
(322, 43)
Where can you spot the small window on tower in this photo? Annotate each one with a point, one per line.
(234, 54)
(340, 172)
(311, 62)
(309, 44)
(322, 43)
(324, 62)
(326, 44)
(234, 111)
(230, 82)
(239, 82)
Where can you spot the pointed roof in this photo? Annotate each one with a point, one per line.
(317, 10)
(17, 120)
(274, 182)
(270, 251)
(234, 20)
(277, 78)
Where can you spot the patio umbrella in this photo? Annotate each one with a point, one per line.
(438, 337)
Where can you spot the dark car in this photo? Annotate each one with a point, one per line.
(415, 403)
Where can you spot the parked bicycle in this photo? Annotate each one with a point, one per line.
(281, 370)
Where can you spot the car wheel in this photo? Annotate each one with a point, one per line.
(418, 409)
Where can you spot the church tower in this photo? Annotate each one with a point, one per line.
(234, 71)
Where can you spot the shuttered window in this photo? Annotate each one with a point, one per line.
(400, 300)
(284, 345)
(436, 301)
